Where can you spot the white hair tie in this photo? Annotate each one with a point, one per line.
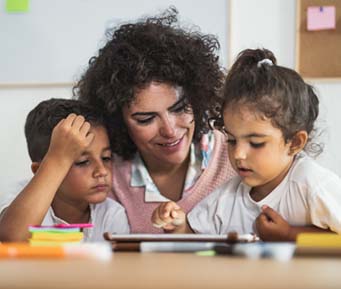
(264, 61)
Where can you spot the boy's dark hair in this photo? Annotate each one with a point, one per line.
(277, 92)
(153, 49)
(46, 115)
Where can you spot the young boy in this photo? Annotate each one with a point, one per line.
(71, 160)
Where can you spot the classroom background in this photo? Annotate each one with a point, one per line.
(45, 48)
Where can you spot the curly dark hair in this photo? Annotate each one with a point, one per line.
(154, 49)
(45, 116)
(277, 92)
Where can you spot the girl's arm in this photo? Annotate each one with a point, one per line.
(272, 227)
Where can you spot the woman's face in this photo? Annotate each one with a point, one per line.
(160, 125)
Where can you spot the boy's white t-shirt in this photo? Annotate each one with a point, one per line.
(108, 216)
(308, 195)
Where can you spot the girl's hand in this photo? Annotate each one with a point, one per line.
(170, 217)
(272, 227)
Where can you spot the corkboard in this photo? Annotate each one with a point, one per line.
(318, 52)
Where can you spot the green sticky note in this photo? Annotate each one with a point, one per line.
(17, 5)
(207, 253)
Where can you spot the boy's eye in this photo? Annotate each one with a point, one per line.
(82, 163)
(257, 145)
(231, 141)
(106, 159)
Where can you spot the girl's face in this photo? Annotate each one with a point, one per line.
(257, 149)
(160, 125)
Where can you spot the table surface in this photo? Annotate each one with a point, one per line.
(171, 270)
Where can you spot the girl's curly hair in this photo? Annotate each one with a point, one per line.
(153, 49)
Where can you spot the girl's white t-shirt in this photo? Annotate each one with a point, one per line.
(308, 195)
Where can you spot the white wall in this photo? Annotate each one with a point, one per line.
(40, 47)
(55, 39)
(261, 23)
(14, 106)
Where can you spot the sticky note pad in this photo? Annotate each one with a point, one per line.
(17, 5)
(319, 240)
(321, 18)
(55, 236)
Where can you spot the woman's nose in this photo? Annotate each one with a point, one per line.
(167, 128)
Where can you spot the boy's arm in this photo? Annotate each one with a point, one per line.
(272, 227)
(33, 202)
(69, 138)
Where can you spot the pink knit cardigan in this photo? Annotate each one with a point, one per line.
(139, 212)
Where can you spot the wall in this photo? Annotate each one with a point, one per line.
(15, 104)
(262, 23)
(53, 42)
(55, 39)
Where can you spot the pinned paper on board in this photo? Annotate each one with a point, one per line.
(17, 5)
(321, 18)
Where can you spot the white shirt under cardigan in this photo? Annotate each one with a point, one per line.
(309, 194)
(199, 158)
(108, 216)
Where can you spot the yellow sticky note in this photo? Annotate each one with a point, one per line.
(46, 236)
(318, 240)
(17, 5)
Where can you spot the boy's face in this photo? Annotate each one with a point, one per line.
(90, 177)
(257, 149)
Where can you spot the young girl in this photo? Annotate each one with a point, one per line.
(268, 117)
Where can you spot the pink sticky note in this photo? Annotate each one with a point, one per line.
(321, 18)
(66, 226)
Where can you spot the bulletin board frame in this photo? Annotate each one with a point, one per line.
(318, 53)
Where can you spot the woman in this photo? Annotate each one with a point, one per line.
(159, 84)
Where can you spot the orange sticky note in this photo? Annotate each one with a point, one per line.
(321, 18)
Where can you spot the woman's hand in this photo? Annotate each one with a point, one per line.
(171, 218)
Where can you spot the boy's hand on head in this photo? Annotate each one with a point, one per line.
(70, 137)
(170, 217)
(271, 226)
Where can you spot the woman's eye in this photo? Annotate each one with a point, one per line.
(180, 108)
(145, 121)
(257, 145)
(82, 163)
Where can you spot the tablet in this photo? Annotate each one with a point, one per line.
(228, 238)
